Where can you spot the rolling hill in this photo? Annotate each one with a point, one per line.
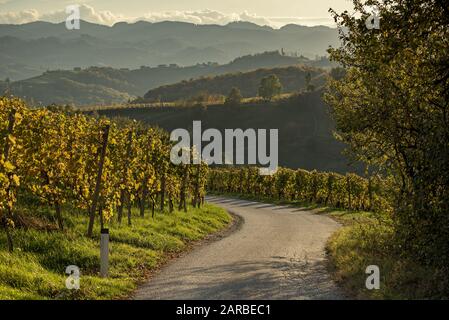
(103, 86)
(305, 127)
(292, 79)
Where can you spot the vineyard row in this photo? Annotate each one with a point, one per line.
(348, 191)
(97, 165)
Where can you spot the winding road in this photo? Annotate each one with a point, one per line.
(276, 253)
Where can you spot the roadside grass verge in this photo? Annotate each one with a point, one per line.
(371, 241)
(368, 238)
(36, 268)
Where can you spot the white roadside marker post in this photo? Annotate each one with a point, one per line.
(104, 253)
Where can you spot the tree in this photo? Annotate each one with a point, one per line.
(200, 99)
(234, 98)
(337, 73)
(309, 86)
(392, 108)
(270, 87)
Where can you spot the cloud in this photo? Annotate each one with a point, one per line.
(88, 13)
(204, 17)
(19, 17)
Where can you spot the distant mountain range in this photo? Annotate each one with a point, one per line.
(104, 85)
(28, 50)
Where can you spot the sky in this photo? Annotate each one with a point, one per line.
(275, 13)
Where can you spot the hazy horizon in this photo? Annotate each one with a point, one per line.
(283, 12)
(168, 20)
(56, 47)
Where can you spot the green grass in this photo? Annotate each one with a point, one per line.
(368, 238)
(371, 241)
(35, 270)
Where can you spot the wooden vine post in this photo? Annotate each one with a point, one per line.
(122, 191)
(96, 194)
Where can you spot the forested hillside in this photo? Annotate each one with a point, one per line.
(102, 85)
(292, 78)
